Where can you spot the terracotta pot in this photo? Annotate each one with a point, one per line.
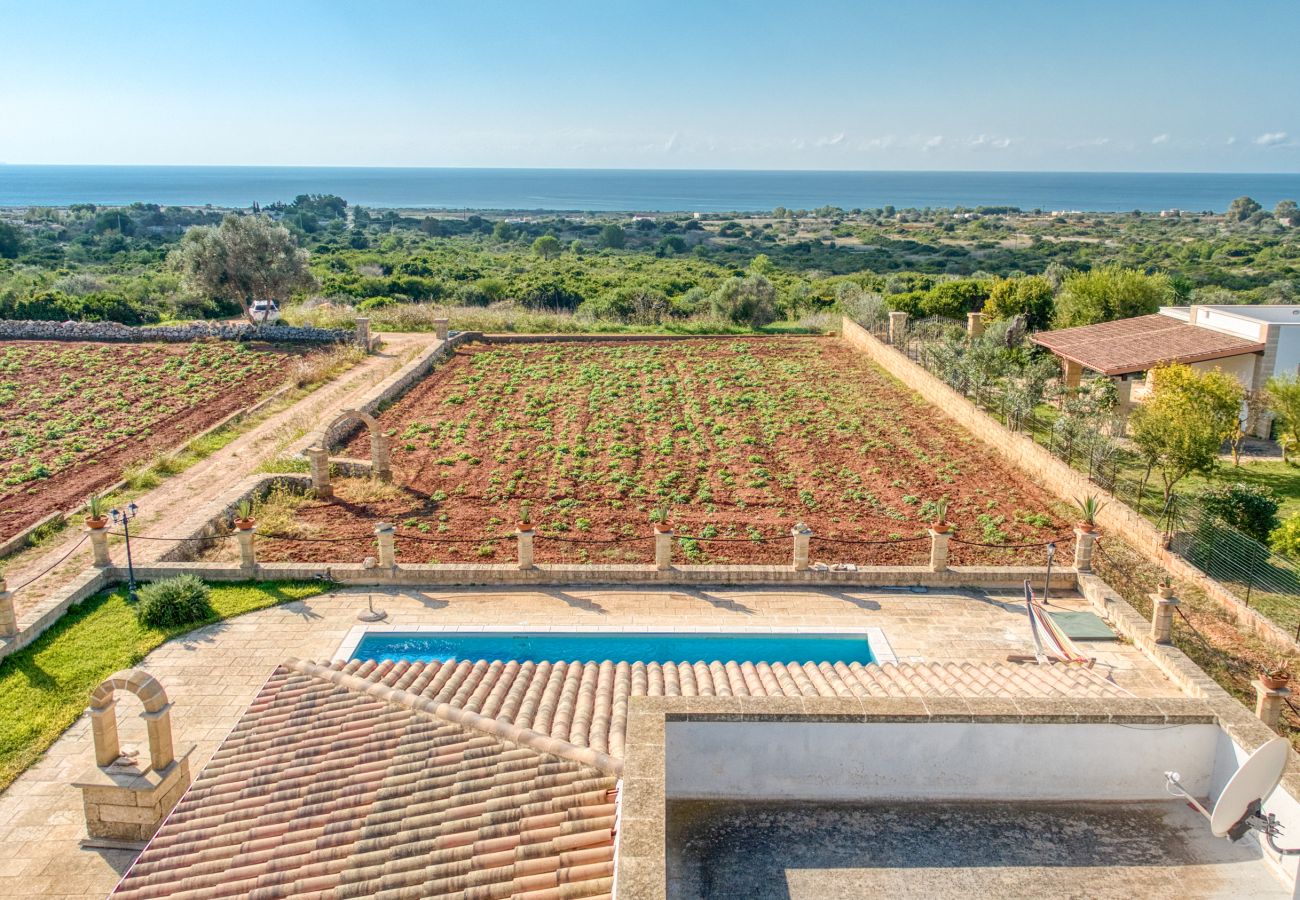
(1087, 528)
(1276, 682)
(99, 522)
(941, 528)
(525, 526)
(245, 524)
(661, 528)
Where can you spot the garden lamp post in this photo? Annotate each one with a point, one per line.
(124, 519)
(1047, 582)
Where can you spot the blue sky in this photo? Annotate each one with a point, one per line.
(1182, 86)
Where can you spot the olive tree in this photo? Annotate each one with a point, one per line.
(246, 259)
(1110, 292)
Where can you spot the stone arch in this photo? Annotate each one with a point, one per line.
(157, 716)
(379, 465)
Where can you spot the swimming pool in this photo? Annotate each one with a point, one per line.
(864, 646)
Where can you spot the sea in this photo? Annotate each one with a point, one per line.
(636, 190)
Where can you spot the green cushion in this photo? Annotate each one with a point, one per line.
(1083, 626)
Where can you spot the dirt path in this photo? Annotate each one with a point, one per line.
(167, 505)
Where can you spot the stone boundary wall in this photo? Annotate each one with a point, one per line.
(490, 575)
(1046, 470)
(114, 332)
(510, 338)
(401, 381)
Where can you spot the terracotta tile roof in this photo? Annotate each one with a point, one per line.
(474, 780)
(1142, 343)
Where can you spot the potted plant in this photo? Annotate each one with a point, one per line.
(526, 516)
(1276, 675)
(940, 523)
(1089, 508)
(660, 518)
(96, 513)
(244, 520)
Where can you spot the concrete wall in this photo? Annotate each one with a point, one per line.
(859, 761)
(27, 330)
(1055, 476)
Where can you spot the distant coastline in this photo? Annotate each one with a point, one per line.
(617, 190)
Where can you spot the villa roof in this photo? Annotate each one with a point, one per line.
(469, 779)
(1141, 343)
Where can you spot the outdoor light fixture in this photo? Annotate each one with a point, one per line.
(124, 519)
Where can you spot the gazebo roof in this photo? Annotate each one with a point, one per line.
(1142, 343)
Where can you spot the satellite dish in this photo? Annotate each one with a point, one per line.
(1254, 781)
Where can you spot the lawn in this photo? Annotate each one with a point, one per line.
(738, 438)
(75, 416)
(44, 687)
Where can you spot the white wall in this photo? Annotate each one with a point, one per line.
(941, 760)
(1230, 323)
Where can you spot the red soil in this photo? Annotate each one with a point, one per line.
(83, 413)
(743, 438)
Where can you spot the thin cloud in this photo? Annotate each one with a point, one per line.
(1232, 140)
(1271, 138)
(933, 143)
(833, 141)
(671, 144)
(1160, 139)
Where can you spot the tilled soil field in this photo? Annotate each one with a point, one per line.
(75, 416)
(739, 438)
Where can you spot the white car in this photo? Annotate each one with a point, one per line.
(265, 311)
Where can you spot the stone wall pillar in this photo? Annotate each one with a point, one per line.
(362, 337)
(99, 546)
(1163, 604)
(440, 327)
(1123, 403)
(663, 550)
(8, 616)
(103, 729)
(247, 553)
(939, 550)
(380, 466)
(318, 458)
(1268, 703)
(387, 546)
(159, 726)
(802, 536)
(525, 539)
(1084, 541)
(897, 326)
(1265, 366)
(1071, 373)
(974, 324)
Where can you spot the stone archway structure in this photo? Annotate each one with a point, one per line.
(125, 800)
(318, 452)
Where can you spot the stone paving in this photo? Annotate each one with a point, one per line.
(213, 673)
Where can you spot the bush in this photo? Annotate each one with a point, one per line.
(173, 602)
(1286, 538)
(750, 302)
(1249, 508)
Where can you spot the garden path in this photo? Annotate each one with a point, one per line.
(163, 508)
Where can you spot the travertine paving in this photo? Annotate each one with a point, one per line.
(212, 674)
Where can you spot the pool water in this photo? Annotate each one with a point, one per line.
(615, 646)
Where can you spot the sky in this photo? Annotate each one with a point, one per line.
(1144, 85)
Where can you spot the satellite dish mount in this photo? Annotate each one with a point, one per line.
(1239, 809)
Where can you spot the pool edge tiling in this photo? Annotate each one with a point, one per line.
(878, 648)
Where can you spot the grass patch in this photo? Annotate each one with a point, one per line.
(44, 687)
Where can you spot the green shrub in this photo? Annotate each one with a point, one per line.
(1250, 508)
(1286, 538)
(173, 602)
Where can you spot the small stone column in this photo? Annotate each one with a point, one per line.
(1268, 703)
(1071, 373)
(440, 327)
(103, 728)
(663, 549)
(1123, 403)
(939, 550)
(362, 337)
(387, 549)
(380, 466)
(8, 616)
(247, 554)
(802, 536)
(525, 538)
(1163, 603)
(99, 546)
(974, 324)
(318, 458)
(1084, 541)
(897, 326)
